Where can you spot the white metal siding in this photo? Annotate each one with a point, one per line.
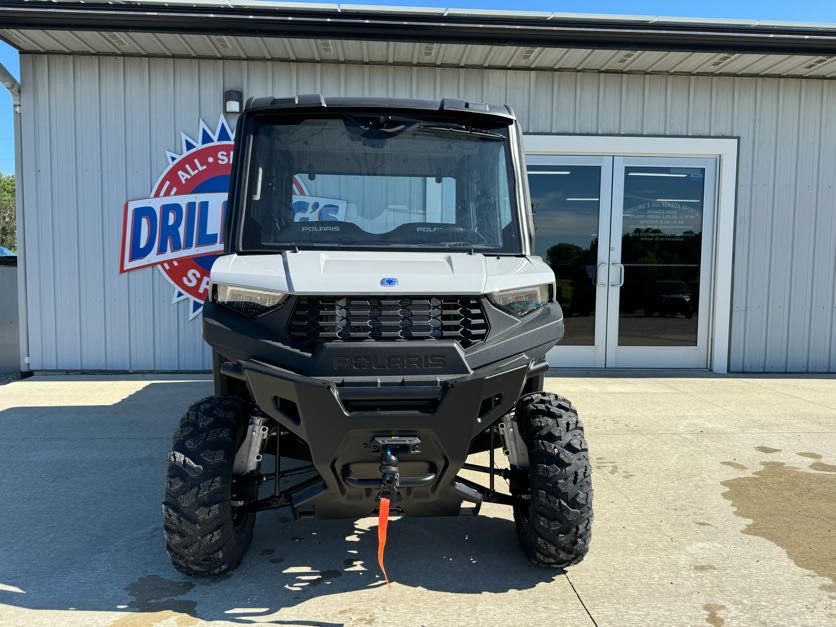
(95, 129)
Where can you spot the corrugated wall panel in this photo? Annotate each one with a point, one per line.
(140, 176)
(65, 219)
(95, 132)
(807, 175)
(756, 279)
(743, 124)
(114, 156)
(822, 337)
(780, 246)
(186, 101)
(165, 339)
(92, 264)
(43, 293)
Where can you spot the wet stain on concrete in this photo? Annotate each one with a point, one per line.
(602, 464)
(767, 449)
(809, 455)
(700, 523)
(267, 552)
(793, 509)
(735, 465)
(822, 467)
(713, 617)
(704, 568)
(154, 602)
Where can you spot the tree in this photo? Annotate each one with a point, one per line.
(7, 211)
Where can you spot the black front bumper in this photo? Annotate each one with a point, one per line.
(339, 396)
(339, 419)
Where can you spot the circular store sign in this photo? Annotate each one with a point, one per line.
(179, 228)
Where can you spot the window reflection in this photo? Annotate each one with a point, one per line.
(660, 249)
(566, 212)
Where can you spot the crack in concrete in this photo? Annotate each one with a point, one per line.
(585, 609)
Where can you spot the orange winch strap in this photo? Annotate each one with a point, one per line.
(382, 523)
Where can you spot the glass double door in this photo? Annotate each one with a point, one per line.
(630, 242)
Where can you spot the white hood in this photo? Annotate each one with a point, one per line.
(357, 272)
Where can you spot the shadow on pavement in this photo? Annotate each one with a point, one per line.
(81, 526)
(674, 373)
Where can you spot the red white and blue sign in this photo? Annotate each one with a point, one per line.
(179, 228)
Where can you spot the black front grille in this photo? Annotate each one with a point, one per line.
(389, 318)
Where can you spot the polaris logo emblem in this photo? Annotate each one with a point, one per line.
(317, 229)
(388, 282)
(390, 362)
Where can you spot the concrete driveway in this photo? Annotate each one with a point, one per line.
(715, 503)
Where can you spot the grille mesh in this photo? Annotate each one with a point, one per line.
(372, 318)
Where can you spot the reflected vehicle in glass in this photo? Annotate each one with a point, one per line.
(672, 298)
(661, 244)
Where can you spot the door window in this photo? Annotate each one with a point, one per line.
(661, 242)
(566, 202)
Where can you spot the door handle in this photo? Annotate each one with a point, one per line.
(599, 274)
(620, 275)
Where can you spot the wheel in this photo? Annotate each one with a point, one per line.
(553, 510)
(204, 534)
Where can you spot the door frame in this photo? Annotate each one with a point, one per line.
(588, 356)
(725, 150)
(663, 356)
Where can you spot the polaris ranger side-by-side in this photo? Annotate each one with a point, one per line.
(378, 316)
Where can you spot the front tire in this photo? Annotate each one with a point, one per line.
(204, 534)
(553, 513)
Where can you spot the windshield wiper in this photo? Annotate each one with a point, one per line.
(464, 245)
(460, 130)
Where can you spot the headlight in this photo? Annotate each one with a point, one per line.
(521, 301)
(245, 300)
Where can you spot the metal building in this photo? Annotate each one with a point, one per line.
(682, 171)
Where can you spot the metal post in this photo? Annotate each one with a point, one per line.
(492, 457)
(13, 86)
(277, 470)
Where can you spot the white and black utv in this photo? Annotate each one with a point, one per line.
(377, 318)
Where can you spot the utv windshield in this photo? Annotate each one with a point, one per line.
(378, 181)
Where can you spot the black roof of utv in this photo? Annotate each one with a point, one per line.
(317, 102)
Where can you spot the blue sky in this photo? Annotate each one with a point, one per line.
(797, 10)
(8, 57)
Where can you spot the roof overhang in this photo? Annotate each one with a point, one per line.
(242, 17)
(281, 30)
